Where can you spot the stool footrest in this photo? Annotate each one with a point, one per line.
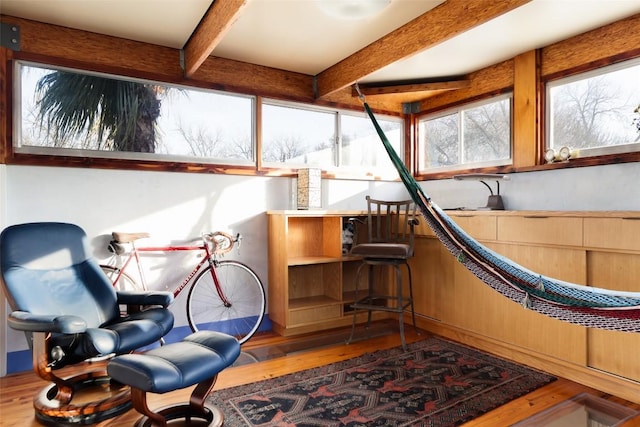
(195, 360)
(381, 303)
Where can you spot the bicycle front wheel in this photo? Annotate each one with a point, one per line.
(236, 307)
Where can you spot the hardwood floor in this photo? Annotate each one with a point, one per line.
(278, 356)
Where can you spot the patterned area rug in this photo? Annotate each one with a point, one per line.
(435, 383)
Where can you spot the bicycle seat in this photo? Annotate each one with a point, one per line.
(128, 237)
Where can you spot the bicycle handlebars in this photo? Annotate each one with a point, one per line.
(222, 242)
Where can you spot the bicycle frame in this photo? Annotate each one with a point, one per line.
(222, 295)
(209, 257)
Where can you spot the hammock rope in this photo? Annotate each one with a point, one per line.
(578, 304)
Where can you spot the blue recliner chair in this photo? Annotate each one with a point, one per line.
(70, 312)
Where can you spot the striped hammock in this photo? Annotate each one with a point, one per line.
(582, 305)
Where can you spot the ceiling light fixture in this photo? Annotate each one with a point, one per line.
(352, 9)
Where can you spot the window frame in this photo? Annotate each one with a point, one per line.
(298, 106)
(602, 154)
(459, 108)
(57, 157)
(337, 169)
(119, 157)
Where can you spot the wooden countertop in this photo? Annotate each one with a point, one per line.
(471, 212)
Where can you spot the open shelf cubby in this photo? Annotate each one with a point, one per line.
(311, 275)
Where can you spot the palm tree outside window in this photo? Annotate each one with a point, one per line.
(75, 113)
(121, 114)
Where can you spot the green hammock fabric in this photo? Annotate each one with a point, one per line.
(587, 306)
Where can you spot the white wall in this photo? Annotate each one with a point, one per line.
(173, 207)
(178, 206)
(596, 188)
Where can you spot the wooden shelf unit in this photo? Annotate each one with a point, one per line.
(311, 282)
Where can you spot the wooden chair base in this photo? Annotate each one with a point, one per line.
(196, 408)
(212, 415)
(53, 412)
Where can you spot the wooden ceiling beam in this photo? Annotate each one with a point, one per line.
(386, 89)
(209, 32)
(441, 23)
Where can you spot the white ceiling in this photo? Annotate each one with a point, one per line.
(296, 35)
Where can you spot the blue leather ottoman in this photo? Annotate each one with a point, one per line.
(195, 360)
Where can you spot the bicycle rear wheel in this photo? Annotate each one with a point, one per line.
(241, 315)
(124, 283)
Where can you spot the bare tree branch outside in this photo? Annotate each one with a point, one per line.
(596, 111)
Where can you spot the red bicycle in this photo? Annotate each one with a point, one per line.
(224, 295)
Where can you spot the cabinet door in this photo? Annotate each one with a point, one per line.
(433, 267)
(481, 227)
(614, 233)
(612, 351)
(540, 229)
(431, 270)
(475, 306)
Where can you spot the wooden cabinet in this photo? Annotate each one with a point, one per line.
(612, 351)
(311, 286)
(599, 249)
(621, 232)
(614, 263)
(481, 227)
(311, 282)
(540, 229)
(431, 279)
(527, 328)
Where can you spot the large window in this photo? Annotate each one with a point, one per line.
(296, 136)
(473, 135)
(72, 113)
(65, 112)
(595, 113)
(362, 150)
(293, 137)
